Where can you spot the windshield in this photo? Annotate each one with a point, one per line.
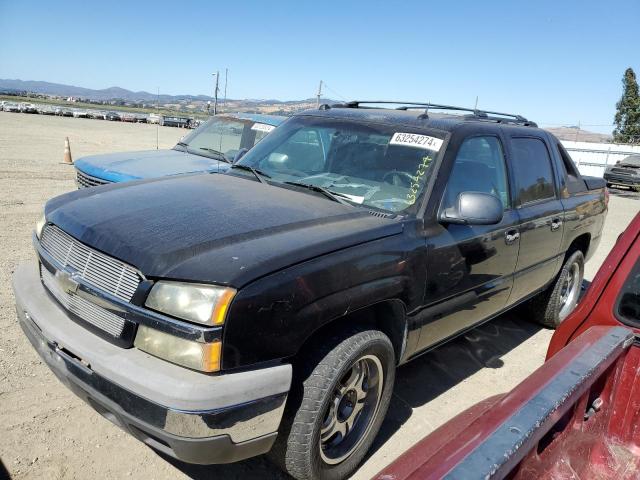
(380, 166)
(631, 161)
(216, 135)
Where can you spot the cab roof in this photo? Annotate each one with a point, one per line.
(417, 115)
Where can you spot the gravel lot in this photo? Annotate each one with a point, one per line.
(46, 432)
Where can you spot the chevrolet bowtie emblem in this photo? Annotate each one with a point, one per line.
(66, 281)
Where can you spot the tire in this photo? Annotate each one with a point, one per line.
(311, 445)
(553, 305)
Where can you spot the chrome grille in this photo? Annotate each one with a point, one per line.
(95, 268)
(89, 312)
(85, 180)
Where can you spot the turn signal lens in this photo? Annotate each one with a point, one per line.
(198, 356)
(40, 226)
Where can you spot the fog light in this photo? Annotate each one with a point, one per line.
(198, 356)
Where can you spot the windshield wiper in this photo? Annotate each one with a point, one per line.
(217, 153)
(260, 175)
(335, 196)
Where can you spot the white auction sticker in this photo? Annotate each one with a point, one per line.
(262, 127)
(416, 140)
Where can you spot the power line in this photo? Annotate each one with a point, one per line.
(324, 84)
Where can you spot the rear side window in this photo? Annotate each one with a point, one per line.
(575, 183)
(628, 307)
(532, 170)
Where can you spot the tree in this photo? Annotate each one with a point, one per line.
(627, 117)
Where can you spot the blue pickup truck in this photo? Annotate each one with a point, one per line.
(211, 147)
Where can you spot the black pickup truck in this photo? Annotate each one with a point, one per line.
(219, 317)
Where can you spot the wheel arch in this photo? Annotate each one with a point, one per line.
(388, 316)
(581, 242)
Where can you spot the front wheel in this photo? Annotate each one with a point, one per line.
(552, 306)
(337, 411)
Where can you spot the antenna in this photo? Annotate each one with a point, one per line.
(215, 93)
(226, 77)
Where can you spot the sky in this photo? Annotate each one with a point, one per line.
(555, 62)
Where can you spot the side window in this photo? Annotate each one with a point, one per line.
(628, 307)
(532, 170)
(575, 183)
(479, 167)
(302, 151)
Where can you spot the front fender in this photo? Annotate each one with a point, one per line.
(272, 317)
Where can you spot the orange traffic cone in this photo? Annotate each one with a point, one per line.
(67, 152)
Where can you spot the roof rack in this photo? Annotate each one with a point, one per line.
(476, 114)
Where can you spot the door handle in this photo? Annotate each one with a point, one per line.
(511, 236)
(555, 224)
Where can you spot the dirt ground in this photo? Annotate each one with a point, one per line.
(46, 432)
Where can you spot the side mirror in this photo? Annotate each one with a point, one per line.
(474, 208)
(240, 154)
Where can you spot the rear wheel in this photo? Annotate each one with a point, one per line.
(336, 412)
(552, 306)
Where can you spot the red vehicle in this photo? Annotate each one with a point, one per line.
(576, 417)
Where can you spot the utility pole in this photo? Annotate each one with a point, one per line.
(215, 93)
(158, 114)
(319, 93)
(226, 77)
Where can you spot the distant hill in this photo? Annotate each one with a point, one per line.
(112, 93)
(579, 135)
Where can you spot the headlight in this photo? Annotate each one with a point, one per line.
(199, 356)
(206, 304)
(40, 225)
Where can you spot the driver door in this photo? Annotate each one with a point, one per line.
(470, 267)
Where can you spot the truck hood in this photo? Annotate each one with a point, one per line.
(219, 229)
(125, 166)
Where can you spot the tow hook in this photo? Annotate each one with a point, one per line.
(595, 407)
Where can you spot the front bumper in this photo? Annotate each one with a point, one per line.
(188, 415)
(619, 179)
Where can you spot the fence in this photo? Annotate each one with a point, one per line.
(593, 158)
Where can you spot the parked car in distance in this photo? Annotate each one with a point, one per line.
(625, 173)
(96, 114)
(141, 118)
(175, 121)
(113, 116)
(266, 309)
(46, 110)
(154, 118)
(28, 108)
(210, 148)
(78, 113)
(11, 107)
(128, 117)
(574, 417)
